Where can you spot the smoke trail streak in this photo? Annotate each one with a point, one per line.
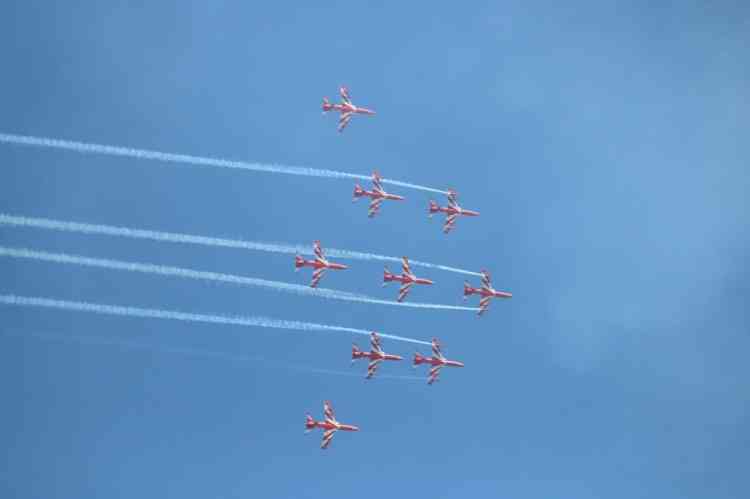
(88, 148)
(164, 270)
(150, 313)
(245, 360)
(171, 237)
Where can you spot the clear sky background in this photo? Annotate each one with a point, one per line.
(605, 144)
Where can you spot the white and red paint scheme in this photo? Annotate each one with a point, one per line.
(320, 264)
(452, 211)
(377, 194)
(407, 279)
(346, 108)
(376, 355)
(487, 292)
(329, 425)
(437, 361)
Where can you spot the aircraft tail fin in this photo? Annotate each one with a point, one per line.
(434, 208)
(299, 262)
(418, 359)
(387, 276)
(309, 423)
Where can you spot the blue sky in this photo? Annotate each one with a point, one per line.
(605, 144)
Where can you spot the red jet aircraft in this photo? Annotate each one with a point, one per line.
(486, 292)
(377, 194)
(320, 264)
(329, 425)
(346, 108)
(437, 361)
(376, 355)
(407, 279)
(452, 211)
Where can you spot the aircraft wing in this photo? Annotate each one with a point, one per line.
(318, 250)
(434, 372)
(376, 181)
(452, 198)
(317, 276)
(436, 349)
(344, 92)
(344, 120)
(486, 279)
(372, 367)
(483, 304)
(375, 343)
(327, 437)
(405, 266)
(374, 207)
(404, 290)
(450, 220)
(328, 411)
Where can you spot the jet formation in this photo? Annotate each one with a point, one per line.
(376, 355)
(407, 278)
(377, 195)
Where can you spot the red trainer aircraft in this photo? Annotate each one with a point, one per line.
(346, 108)
(376, 355)
(486, 292)
(320, 264)
(329, 425)
(407, 279)
(452, 211)
(377, 194)
(437, 361)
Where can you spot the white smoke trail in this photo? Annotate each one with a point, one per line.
(171, 237)
(149, 313)
(88, 148)
(247, 360)
(164, 270)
